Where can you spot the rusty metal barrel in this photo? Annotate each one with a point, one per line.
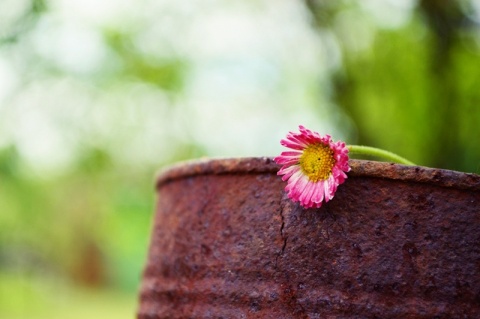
(395, 242)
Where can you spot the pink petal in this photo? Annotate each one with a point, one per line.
(288, 171)
(306, 196)
(295, 182)
(293, 145)
(319, 193)
(297, 188)
(286, 161)
(291, 153)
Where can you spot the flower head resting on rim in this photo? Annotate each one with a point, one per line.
(314, 167)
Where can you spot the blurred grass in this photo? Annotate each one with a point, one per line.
(73, 246)
(23, 296)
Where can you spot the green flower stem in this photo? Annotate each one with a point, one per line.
(367, 150)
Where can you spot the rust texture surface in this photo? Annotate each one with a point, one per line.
(395, 242)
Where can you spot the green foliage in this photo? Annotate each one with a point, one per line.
(167, 73)
(380, 95)
(89, 227)
(25, 20)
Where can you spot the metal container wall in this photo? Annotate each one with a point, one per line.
(395, 242)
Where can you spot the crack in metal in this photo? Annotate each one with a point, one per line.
(282, 235)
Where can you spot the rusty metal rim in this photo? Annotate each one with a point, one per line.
(360, 168)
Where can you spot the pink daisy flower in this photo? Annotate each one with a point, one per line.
(314, 167)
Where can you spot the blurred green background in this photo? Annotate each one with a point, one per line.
(97, 96)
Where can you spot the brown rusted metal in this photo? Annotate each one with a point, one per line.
(395, 242)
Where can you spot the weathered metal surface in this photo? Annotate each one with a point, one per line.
(395, 242)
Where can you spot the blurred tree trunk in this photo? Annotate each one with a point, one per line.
(444, 18)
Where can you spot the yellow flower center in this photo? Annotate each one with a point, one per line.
(317, 162)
